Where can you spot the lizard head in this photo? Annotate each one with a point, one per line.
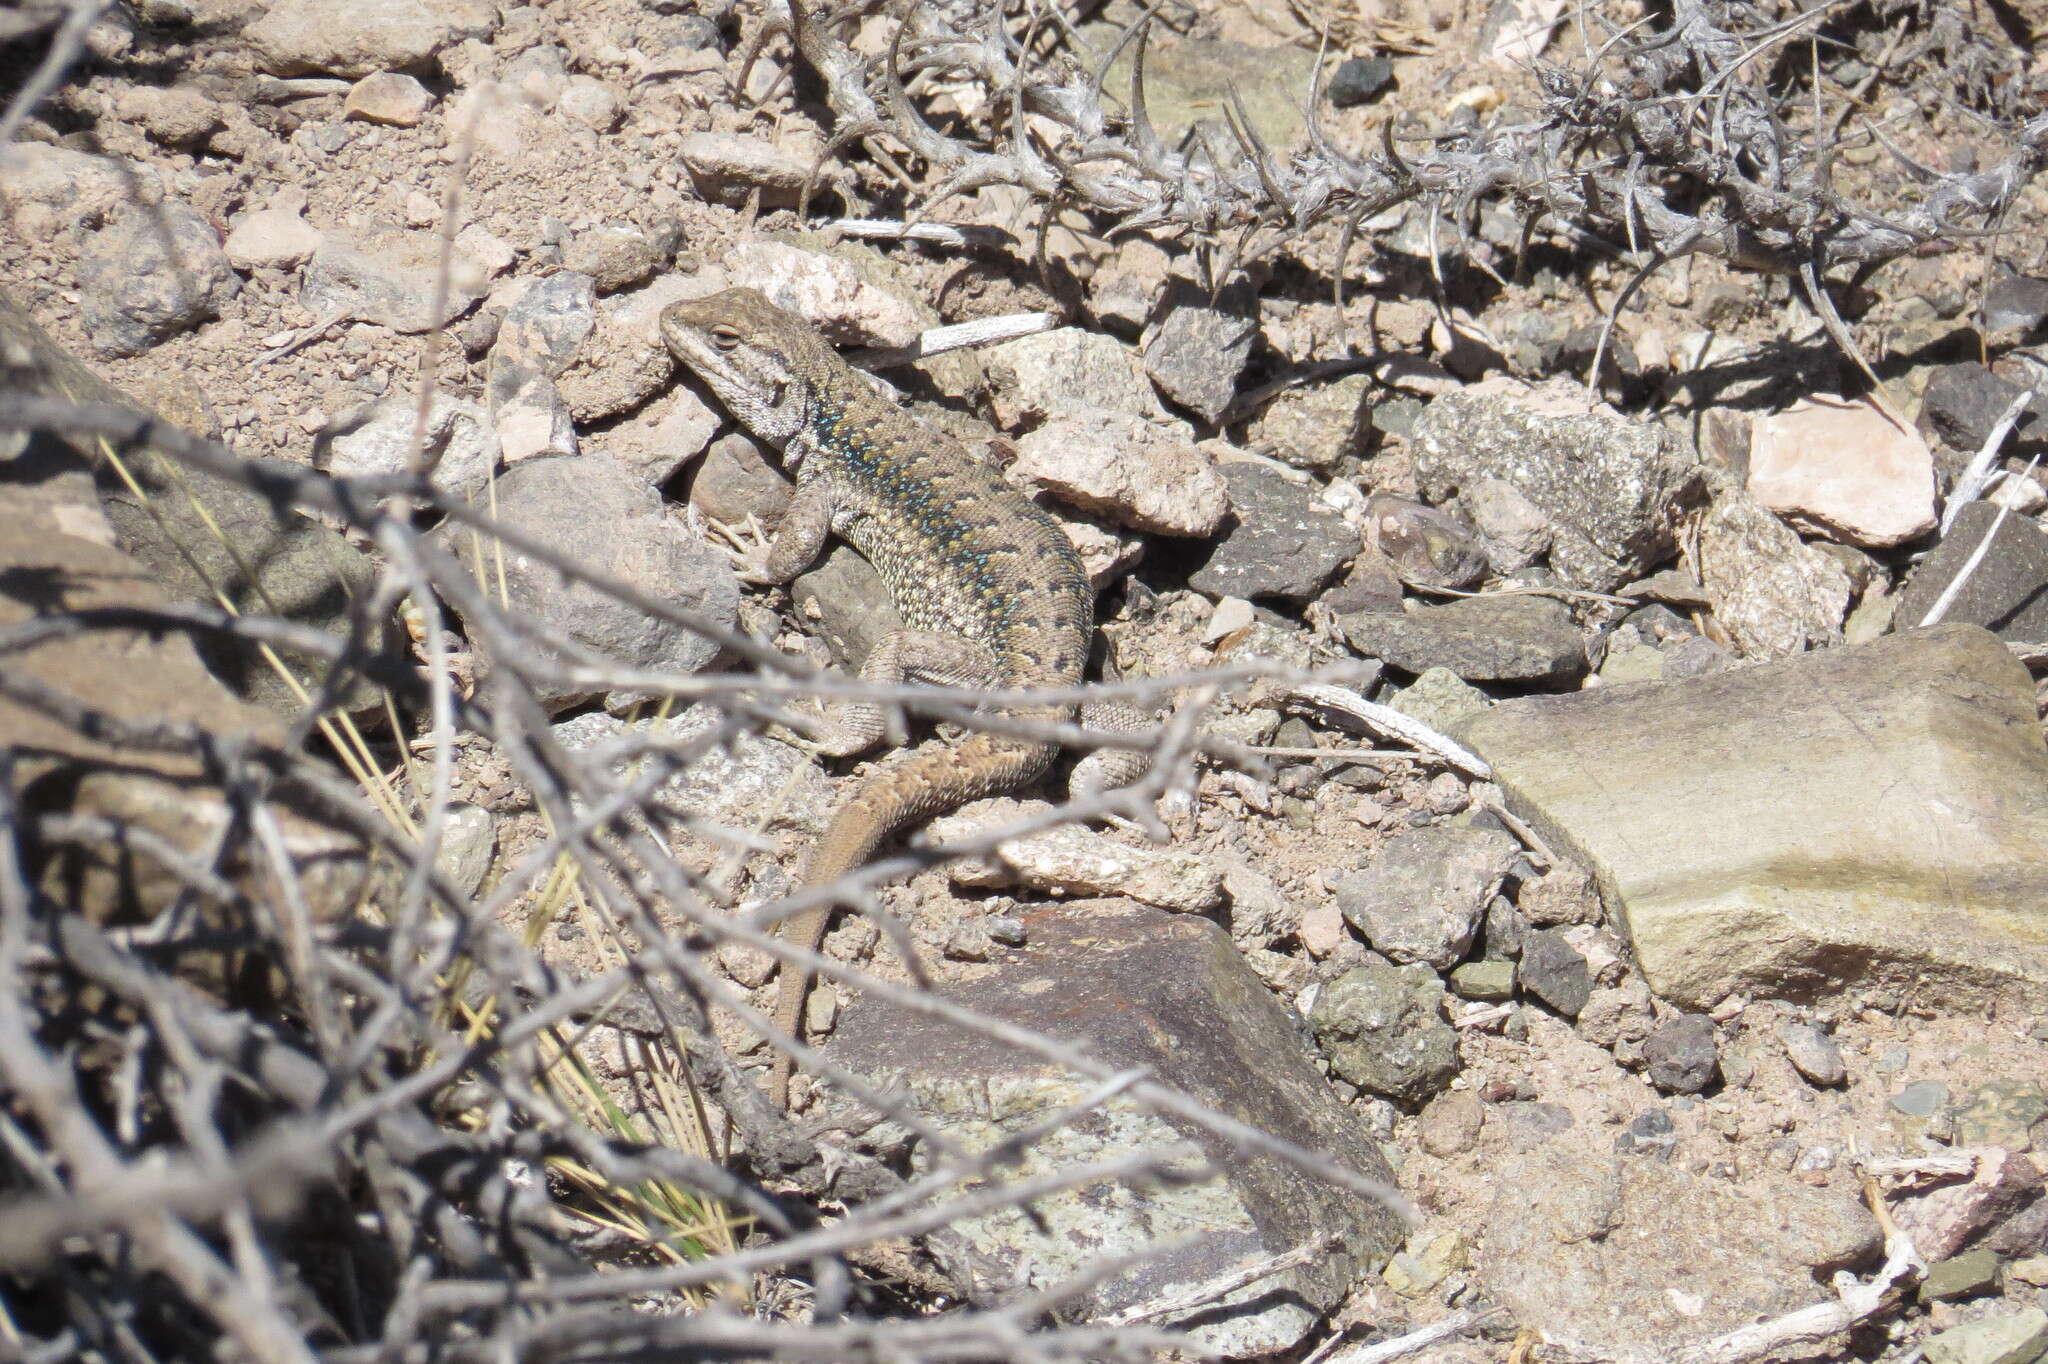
(754, 356)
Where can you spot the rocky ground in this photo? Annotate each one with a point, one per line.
(1708, 913)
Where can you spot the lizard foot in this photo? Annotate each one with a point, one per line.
(746, 545)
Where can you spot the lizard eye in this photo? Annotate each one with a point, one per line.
(724, 337)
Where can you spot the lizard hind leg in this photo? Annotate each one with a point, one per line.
(901, 656)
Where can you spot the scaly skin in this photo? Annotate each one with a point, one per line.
(966, 556)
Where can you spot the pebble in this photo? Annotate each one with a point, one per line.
(1964, 401)
(1553, 971)
(1495, 638)
(590, 102)
(149, 275)
(728, 168)
(1359, 80)
(1128, 470)
(1200, 347)
(273, 238)
(1317, 426)
(2016, 303)
(388, 97)
(1773, 593)
(364, 36)
(2007, 591)
(1961, 1276)
(387, 277)
(1440, 699)
(1076, 862)
(1424, 895)
(1382, 1028)
(1283, 541)
(617, 255)
(534, 421)
(1450, 1125)
(1682, 1055)
(1040, 377)
(172, 115)
(833, 292)
(1921, 1099)
(375, 440)
(546, 325)
(1427, 547)
(2005, 1338)
(1488, 981)
(738, 479)
(1513, 530)
(1845, 469)
(1813, 1053)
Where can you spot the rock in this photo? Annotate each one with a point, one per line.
(1192, 80)
(617, 255)
(546, 326)
(2005, 590)
(534, 421)
(1628, 1260)
(1616, 1017)
(731, 786)
(1731, 822)
(1514, 530)
(1382, 1028)
(376, 439)
(1125, 469)
(2004, 1338)
(1555, 972)
(1138, 988)
(1843, 469)
(1427, 547)
(1317, 427)
(1424, 895)
(1488, 981)
(387, 277)
(1563, 895)
(1682, 1055)
(46, 188)
(173, 115)
(365, 35)
(851, 604)
(1451, 1124)
(1813, 1053)
(1611, 486)
(1772, 593)
(1963, 402)
(275, 237)
(1199, 348)
(590, 102)
(1495, 638)
(2016, 303)
(1960, 1276)
(1281, 540)
(593, 510)
(1944, 1219)
(738, 479)
(388, 97)
(1651, 1132)
(468, 840)
(666, 434)
(729, 168)
(200, 534)
(1073, 861)
(1359, 80)
(149, 275)
(1039, 377)
(1440, 698)
(831, 292)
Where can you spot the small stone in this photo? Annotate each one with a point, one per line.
(748, 966)
(364, 36)
(271, 238)
(1961, 1276)
(738, 479)
(2016, 303)
(1488, 981)
(617, 255)
(1383, 1030)
(1845, 469)
(376, 440)
(1200, 347)
(1126, 469)
(387, 277)
(421, 209)
(1964, 401)
(1921, 1099)
(833, 293)
(728, 168)
(1813, 1053)
(1317, 427)
(2032, 1271)
(1682, 1054)
(388, 97)
(1039, 377)
(1514, 530)
(174, 116)
(1322, 930)
(2007, 1338)
(1079, 862)
(545, 327)
(1283, 542)
(2007, 590)
(1563, 895)
(1360, 80)
(1555, 972)
(1424, 895)
(1498, 637)
(151, 274)
(1427, 547)
(969, 941)
(1440, 699)
(534, 421)
(590, 102)
(1772, 593)
(1449, 1126)
(468, 839)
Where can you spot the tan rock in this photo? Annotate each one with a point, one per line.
(1843, 468)
(389, 97)
(1148, 477)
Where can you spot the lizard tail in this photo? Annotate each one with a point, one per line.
(927, 783)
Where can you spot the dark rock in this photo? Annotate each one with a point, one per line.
(850, 602)
(1682, 1055)
(1423, 896)
(1499, 638)
(1554, 972)
(2007, 591)
(1964, 401)
(1359, 80)
(149, 275)
(1281, 540)
(1383, 1029)
(543, 329)
(2016, 303)
(1960, 1276)
(739, 479)
(1200, 348)
(1427, 547)
(1651, 1133)
(1168, 993)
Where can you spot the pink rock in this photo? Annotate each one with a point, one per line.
(1845, 469)
(1943, 1220)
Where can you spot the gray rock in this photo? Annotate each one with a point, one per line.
(1488, 981)
(1772, 592)
(2007, 591)
(1611, 486)
(593, 510)
(1071, 862)
(363, 36)
(376, 439)
(734, 785)
(1440, 699)
(738, 479)
(1050, 374)
(384, 276)
(1359, 80)
(1514, 530)
(729, 168)
(1964, 401)
(1318, 426)
(1555, 972)
(1530, 1125)
(617, 255)
(1424, 894)
(1736, 826)
(1427, 547)
(149, 275)
(1499, 638)
(1200, 348)
(850, 603)
(1144, 475)
(1137, 987)
(1813, 1053)
(1628, 1260)
(534, 420)
(468, 840)
(1563, 895)
(1383, 1029)
(1451, 1124)
(1651, 1133)
(544, 328)
(2016, 303)
(1921, 1099)
(1281, 541)
(1682, 1055)
(2002, 1338)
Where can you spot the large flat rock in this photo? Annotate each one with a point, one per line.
(1873, 812)
(1139, 987)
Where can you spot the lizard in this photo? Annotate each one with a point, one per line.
(991, 591)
